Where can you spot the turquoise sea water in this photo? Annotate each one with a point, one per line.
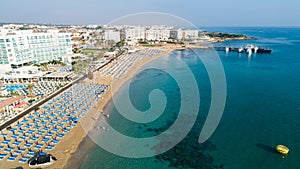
(262, 108)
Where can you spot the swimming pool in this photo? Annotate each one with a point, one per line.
(15, 88)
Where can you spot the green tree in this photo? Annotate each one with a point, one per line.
(30, 88)
(14, 93)
(1, 82)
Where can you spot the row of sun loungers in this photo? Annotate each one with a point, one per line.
(125, 62)
(43, 88)
(44, 128)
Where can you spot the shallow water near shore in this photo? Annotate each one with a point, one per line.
(262, 108)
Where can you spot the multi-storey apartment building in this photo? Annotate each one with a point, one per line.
(135, 32)
(111, 34)
(18, 47)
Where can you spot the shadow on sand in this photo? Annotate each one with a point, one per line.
(266, 147)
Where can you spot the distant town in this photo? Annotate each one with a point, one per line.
(31, 52)
(34, 53)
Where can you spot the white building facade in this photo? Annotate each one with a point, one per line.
(187, 34)
(18, 47)
(135, 33)
(157, 34)
(114, 35)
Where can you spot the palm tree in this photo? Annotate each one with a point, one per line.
(30, 87)
(1, 82)
(90, 74)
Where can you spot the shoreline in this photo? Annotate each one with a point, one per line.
(75, 145)
(78, 135)
(75, 158)
(77, 142)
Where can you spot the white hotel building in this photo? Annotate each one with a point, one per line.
(18, 47)
(147, 32)
(114, 35)
(157, 33)
(187, 34)
(135, 33)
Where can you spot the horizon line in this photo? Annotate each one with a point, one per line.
(70, 24)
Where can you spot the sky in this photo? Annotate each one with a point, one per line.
(198, 12)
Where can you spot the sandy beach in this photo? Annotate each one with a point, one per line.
(85, 143)
(77, 138)
(80, 144)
